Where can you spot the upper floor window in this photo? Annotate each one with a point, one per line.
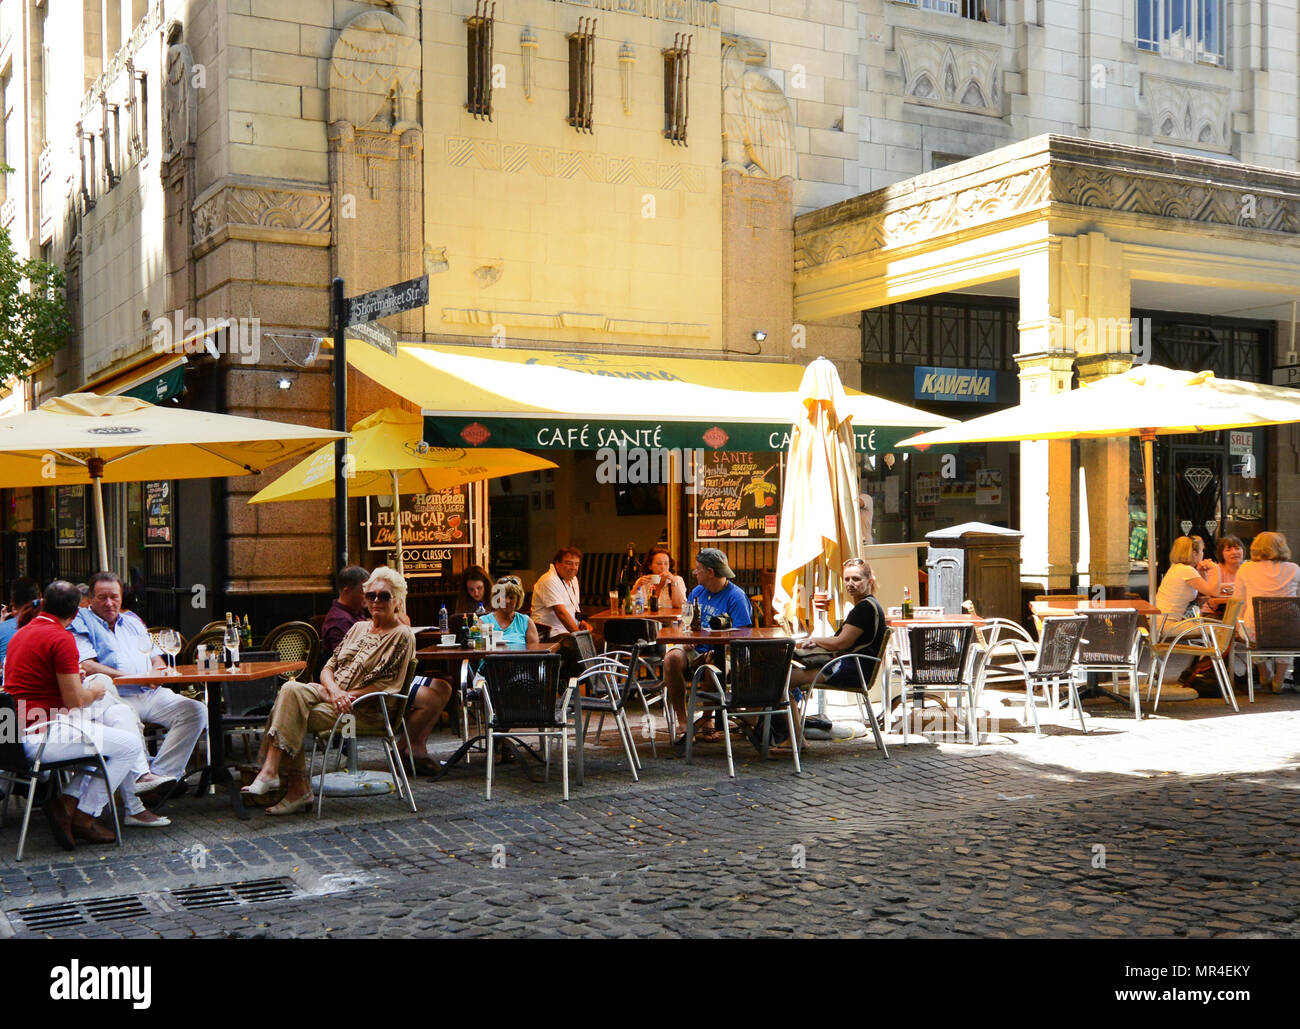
(1190, 30)
(677, 75)
(478, 42)
(975, 10)
(582, 61)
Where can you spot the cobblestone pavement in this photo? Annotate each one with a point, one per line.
(1181, 825)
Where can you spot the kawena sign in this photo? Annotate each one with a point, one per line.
(955, 384)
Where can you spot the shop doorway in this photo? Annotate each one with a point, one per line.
(1196, 497)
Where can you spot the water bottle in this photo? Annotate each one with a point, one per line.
(640, 601)
(444, 623)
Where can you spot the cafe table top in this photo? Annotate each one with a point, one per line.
(935, 620)
(722, 636)
(1066, 603)
(248, 671)
(664, 616)
(462, 653)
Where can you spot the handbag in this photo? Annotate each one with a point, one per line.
(815, 657)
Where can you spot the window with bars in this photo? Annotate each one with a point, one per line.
(677, 75)
(478, 63)
(975, 10)
(1189, 30)
(582, 61)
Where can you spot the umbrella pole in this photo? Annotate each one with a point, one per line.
(96, 468)
(1148, 472)
(397, 514)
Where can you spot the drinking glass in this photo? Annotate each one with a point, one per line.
(688, 615)
(232, 642)
(169, 644)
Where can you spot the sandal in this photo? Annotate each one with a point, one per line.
(427, 766)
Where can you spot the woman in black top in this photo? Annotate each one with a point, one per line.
(860, 633)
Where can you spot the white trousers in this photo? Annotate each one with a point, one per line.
(114, 730)
(183, 718)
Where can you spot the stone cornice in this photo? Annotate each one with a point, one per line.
(270, 210)
(1056, 177)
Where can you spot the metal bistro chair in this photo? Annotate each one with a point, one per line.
(17, 772)
(1277, 633)
(612, 685)
(622, 633)
(933, 659)
(876, 678)
(394, 708)
(758, 683)
(1002, 638)
(522, 697)
(1202, 638)
(1054, 659)
(1112, 643)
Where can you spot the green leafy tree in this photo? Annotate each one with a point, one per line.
(34, 320)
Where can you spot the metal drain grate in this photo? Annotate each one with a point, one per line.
(49, 916)
(253, 891)
(109, 909)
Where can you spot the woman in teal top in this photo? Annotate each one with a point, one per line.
(506, 620)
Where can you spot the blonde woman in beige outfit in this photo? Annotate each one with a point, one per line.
(1270, 572)
(373, 658)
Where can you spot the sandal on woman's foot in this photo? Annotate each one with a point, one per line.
(292, 807)
(261, 787)
(427, 766)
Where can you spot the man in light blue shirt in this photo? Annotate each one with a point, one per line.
(117, 643)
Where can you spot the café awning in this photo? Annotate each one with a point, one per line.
(551, 400)
(155, 378)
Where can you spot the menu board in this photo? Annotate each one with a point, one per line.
(158, 512)
(433, 524)
(69, 517)
(737, 495)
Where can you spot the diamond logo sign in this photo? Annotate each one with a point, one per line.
(1186, 526)
(1198, 478)
(1212, 526)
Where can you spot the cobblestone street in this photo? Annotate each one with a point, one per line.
(1181, 826)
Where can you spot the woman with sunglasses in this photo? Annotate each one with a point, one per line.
(373, 658)
(506, 619)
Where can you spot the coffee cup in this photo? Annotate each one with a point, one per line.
(448, 640)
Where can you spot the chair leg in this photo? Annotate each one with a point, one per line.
(564, 758)
(726, 737)
(625, 734)
(794, 740)
(1225, 681)
(491, 740)
(27, 815)
(690, 722)
(863, 698)
(1031, 708)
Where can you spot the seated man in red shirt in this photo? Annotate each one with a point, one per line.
(43, 674)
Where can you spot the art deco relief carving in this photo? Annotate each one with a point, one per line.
(1187, 113)
(263, 212)
(180, 101)
(939, 71)
(462, 152)
(375, 74)
(757, 121)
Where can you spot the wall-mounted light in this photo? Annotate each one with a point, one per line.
(759, 335)
(284, 382)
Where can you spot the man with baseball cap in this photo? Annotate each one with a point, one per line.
(715, 595)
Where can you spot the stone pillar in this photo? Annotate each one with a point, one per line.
(1046, 488)
(1106, 473)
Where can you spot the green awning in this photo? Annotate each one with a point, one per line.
(161, 387)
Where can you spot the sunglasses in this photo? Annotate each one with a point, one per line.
(511, 578)
(383, 595)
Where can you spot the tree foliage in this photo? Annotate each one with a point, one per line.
(34, 320)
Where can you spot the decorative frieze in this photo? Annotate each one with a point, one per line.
(1187, 113)
(951, 73)
(261, 212)
(569, 320)
(556, 162)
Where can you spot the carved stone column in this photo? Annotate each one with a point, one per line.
(1046, 476)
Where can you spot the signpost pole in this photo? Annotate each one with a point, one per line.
(339, 424)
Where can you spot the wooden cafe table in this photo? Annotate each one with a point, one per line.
(215, 772)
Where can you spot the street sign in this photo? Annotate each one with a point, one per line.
(377, 336)
(379, 303)
(1287, 376)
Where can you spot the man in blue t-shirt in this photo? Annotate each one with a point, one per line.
(716, 594)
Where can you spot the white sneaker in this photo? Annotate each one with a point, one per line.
(139, 821)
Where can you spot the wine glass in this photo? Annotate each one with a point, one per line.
(232, 642)
(169, 643)
(145, 645)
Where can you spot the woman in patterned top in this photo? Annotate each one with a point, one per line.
(373, 658)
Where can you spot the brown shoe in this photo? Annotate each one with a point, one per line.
(87, 829)
(56, 813)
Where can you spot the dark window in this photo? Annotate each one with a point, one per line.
(478, 64)
(582, 60)
(945, 331)
(677, 75)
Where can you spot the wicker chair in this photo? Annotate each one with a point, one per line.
(1112, 643)
(522, 697)
(1277, 633)
(212, 635)
(1054, 656)
(758, 684)
(295, 641)
(933, 660)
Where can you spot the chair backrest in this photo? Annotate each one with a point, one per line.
(1109, 637)
(585, 644)
(759, 671)
(294, 641)
(621, 633)
(13, 758)
(1277, 622)
(1231, 611)
(1059, 644)
(523, 689)
(937, 653)
(212, 635)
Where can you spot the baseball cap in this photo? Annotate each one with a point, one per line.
(712, 557)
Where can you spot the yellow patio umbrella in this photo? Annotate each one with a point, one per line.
(387, 455)
(1147, 401)
(819, 512)
(82, 438)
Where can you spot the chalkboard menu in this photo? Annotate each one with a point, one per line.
(432, 525)
(69, 517)
(158, 511)
(737, 496)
